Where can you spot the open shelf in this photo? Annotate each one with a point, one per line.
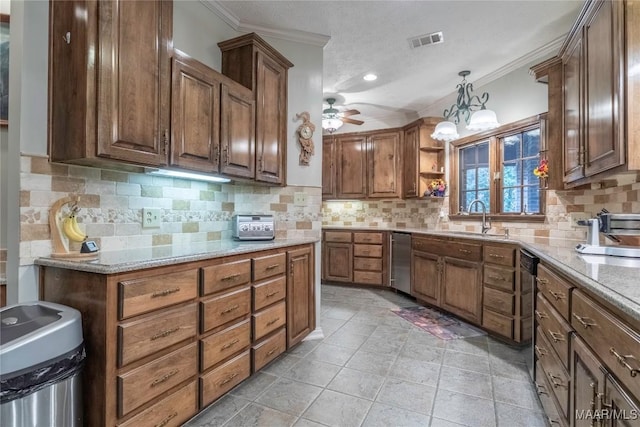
(429, 174)
(431, 149)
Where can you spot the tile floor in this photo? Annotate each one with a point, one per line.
(375, 369)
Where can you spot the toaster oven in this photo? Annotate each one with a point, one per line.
(253, 227)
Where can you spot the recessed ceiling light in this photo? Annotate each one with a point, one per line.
(370, 77)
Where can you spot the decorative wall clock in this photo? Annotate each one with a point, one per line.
(305, 135)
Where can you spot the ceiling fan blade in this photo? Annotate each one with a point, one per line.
(352, 121)
(348, 113)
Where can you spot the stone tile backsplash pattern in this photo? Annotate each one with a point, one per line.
(621, 195)
(112, 201)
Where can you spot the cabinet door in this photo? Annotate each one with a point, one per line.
(604, 127)
(425, 277)
(300, 295)
(337, 262)
(573, 131)
(237, 131)
(587, 382)
(134, 80)
(351, 161)
(384, 165)
(195, 115)
(462, 288)
(328, 168)
(271, 124)
(410, 162)
(623, 408)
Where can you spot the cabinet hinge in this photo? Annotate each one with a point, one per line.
(165, 141)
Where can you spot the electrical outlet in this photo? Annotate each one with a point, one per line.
(150, 217)
(300, 199)
(578, 216)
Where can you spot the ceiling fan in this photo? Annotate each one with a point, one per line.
(333, 119)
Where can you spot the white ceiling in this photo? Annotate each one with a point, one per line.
(485, 37)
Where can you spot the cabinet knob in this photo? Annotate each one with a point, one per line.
(67, 37)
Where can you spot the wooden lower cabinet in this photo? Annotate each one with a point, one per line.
(337, 262)
(425, 277)
(359, 257)
(462, 288)
(163, 350)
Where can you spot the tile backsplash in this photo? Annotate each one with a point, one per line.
(111, 207)
(621, 195)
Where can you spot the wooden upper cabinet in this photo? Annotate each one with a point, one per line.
(253, 63)
(411, 145)
(384, 165)
(328, 167)
(110, 81)
(572, 76)
(237, 131)
(351, 159)
(195, 115)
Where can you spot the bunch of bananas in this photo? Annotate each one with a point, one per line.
(71, 228)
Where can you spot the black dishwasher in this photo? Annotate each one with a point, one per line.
(528, 271)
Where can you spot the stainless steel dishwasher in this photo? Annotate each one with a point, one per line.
(401, 261)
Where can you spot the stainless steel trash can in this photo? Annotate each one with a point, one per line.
(41, 358)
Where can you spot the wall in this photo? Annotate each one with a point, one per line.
(111, 200)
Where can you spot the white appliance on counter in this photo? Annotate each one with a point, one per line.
(253, 227)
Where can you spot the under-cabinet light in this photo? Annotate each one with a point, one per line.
(186, 175)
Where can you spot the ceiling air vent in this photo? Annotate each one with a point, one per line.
(425, 40)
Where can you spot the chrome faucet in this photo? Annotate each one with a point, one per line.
(486, 226)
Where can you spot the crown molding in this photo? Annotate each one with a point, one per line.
(228, 17)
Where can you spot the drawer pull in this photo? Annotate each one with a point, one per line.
(496, 256)
(270, 294)
(231, 277)
(497, 278)
(228, 379)
(584, 322)
(556, 381)
(541, 389)
(557, 295)
(464, 251)
(556, 336)
(271, 322)
(553, 421)
(623, 361)
(165, 333)
(540, 351)
(166, 420)
(164, 378)
(272, 266)
(231, 344)
(541, 281)
(541, 315)
(273, 350)
(365, 252)
(165, 292)
(230, 309)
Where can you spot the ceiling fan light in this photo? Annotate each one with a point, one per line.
(370, 77)
(483, 120)
(445, 131)
(331, 124)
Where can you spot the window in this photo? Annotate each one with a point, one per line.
(498, 169)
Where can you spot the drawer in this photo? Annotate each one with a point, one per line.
(548, 403)
(467, 251)
(137, 296)
(555, 329)
(269, 292)
(140, 338)
(555, 289)
(224, 378)
(217, 347)
(142, 384)
(503, 255)
(268, 320)
(367, 264)
(371, 251)
(617, 345)
(500, 277)
(498, 323)
(367, 277)
(337, 236)
(268, 350)
(269, 266)
(225, 308)
(218, 278)
(554, 373)
(374, 238)
(502, 302)
(172, 411)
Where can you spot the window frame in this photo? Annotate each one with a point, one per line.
(494, 138)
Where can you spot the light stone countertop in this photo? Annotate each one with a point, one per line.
(110, 262)
(614, 279)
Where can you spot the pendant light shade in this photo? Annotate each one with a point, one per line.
(483, 120)
(331, 124)
(445, 131)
